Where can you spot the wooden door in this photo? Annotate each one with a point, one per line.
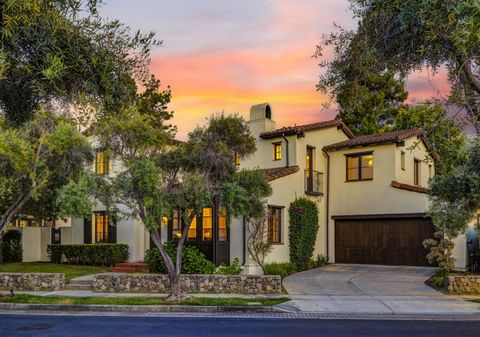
(382, 241)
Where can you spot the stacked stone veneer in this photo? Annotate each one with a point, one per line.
(463, 284)
(159, 283)
(32, 281)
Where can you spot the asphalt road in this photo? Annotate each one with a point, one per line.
(114, 326)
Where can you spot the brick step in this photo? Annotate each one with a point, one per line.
(130, 267)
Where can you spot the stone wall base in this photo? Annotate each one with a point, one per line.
(159, 283)
(32, 281)
(462, 284)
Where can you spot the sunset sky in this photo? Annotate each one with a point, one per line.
(226, 55)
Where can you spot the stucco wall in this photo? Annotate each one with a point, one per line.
(375, 196)
(34, 243)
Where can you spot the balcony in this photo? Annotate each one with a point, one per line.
(313, 183)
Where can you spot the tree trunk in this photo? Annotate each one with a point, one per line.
(174, 271)
(11, 212)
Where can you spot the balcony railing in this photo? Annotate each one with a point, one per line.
(313, 182)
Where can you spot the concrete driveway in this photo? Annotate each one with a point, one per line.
(349, 279)
(343, 288)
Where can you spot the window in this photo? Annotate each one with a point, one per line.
(102, 162)
(222, 225)
(430, 170)
(360, 166)
(277, 151)
(176, 225)
(274, 224)
(416, 171)
(402, 160)
(237, 159)
(192, 231)
(207, 224)
(101, 227)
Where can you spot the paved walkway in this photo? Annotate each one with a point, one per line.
(370, 289)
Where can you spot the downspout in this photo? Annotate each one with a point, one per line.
(286, 146)
(244, 252)
(327, 201)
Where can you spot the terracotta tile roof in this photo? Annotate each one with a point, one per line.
(300, 129)
(380, 138)
(279, 172)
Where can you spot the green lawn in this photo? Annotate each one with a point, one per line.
(70, 271)
(203, 301)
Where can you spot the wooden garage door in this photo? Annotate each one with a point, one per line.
(382, 241)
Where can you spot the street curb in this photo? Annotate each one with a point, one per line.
(137, 308)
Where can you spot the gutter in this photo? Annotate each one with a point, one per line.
(327, 201)
(286, 142)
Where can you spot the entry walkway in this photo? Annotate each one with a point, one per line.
(343, 288)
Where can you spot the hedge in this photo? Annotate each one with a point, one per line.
(89, 254)
(193, 261)
(303, 231)
(11, 246)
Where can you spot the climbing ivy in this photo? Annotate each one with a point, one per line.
(303, 231)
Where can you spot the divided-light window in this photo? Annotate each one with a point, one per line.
(277, 151)
(102, 162)
(360, 166)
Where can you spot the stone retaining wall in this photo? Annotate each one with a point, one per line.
(32, 281)
(463, 284)
(158, 283)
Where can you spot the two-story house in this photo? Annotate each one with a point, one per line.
(370, 191)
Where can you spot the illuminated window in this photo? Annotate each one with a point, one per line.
(360, 167)
(222, 225)
(102, 162)
(207, 224)
(192, 230)
(101, 227)
(274, 224)
(237, 159)
(277, 151)
(416, 171)
(402, 160)
(176, 225)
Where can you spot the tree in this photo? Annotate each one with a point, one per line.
(57, 57)
(455, 198)
(159, 175)
(258, 245)
(53, 51)
(409, 35)
(36, 160)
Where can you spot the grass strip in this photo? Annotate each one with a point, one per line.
(196, 301)
(70, 271)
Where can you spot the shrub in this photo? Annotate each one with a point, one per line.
(88, 254)
(233, 269)
(11, 246)
(303, 231)
(319, 262)
(193, 261)
(279, 268)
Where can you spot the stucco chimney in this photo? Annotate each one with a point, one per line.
(261, 119)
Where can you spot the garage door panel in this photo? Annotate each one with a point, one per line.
(385, 241)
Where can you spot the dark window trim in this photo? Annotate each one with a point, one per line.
(417, 172)
(354, 155)
(270, 230)
(106, 159)
(275, 144)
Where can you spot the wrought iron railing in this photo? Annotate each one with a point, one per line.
(313, 182)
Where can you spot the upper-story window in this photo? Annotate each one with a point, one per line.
(416, 171)
(237, 158)
(402, 160)
(430, 170)
(277, 151)
(360, 166)
(102, 162)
